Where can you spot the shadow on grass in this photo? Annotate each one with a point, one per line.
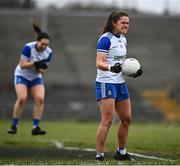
(49, 155)
(49, 152)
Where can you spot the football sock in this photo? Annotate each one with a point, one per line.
(15, 121)
(122, 151)
(36, 123)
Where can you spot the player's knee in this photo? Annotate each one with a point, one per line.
(126, 121)
(39, 100)
(107, 122)
(22, 100)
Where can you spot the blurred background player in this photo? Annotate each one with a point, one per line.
(33, 63)
(111, 90)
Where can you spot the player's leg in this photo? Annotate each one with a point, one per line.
(124, 112)
(21, 92)
(107, 111)
(105, 94)
(38, 94)
(123, 109)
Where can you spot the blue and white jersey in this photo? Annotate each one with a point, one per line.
(30, 54)
(115, 49)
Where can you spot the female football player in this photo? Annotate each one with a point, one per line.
(34, 61)
(111, 90)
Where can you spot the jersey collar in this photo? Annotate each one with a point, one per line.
(36, 48)
(117, 35)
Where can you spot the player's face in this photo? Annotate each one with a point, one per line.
(42, 44)
(122, 25)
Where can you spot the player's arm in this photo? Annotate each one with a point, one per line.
(100, 64)
(103, 46)
(102, 51)
(42, 71)
(42, 65)
(100, 61)
(24, 64)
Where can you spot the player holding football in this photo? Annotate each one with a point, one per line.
(34, 61)
(111, 90)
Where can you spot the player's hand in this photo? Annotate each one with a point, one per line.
(138, 73)
(40, 65)
(116, 68)
(42, 71)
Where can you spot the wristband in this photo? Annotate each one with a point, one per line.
(109, 68)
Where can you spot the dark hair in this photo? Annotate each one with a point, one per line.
(41, 35)
(113, 17)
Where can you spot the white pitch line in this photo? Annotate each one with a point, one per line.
(149, 157)
(59, 145)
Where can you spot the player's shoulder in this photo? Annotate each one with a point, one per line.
(30, 44)
(108, 35)
(49, 50)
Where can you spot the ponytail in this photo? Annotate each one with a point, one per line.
(41, 35)
(36, 27)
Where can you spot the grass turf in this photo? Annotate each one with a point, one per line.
(152, 139)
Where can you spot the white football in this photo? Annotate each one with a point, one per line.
(130, 66)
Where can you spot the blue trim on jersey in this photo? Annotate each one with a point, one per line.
(26, 52)
(49, 58)
(99, 50)
(103, 44)
(28, 83)
(118, 92)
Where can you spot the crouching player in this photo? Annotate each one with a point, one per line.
(34, 61)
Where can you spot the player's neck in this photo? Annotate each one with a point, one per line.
(116, 34)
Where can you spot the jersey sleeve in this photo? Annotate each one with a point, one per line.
(26, 53)
(103, 45)
(49, 58)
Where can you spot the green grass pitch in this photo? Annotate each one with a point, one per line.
(150, 139)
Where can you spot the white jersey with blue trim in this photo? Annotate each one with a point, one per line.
(30, 54)
(115, 48)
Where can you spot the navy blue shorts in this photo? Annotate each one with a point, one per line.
(28, 83)
(118, 92)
